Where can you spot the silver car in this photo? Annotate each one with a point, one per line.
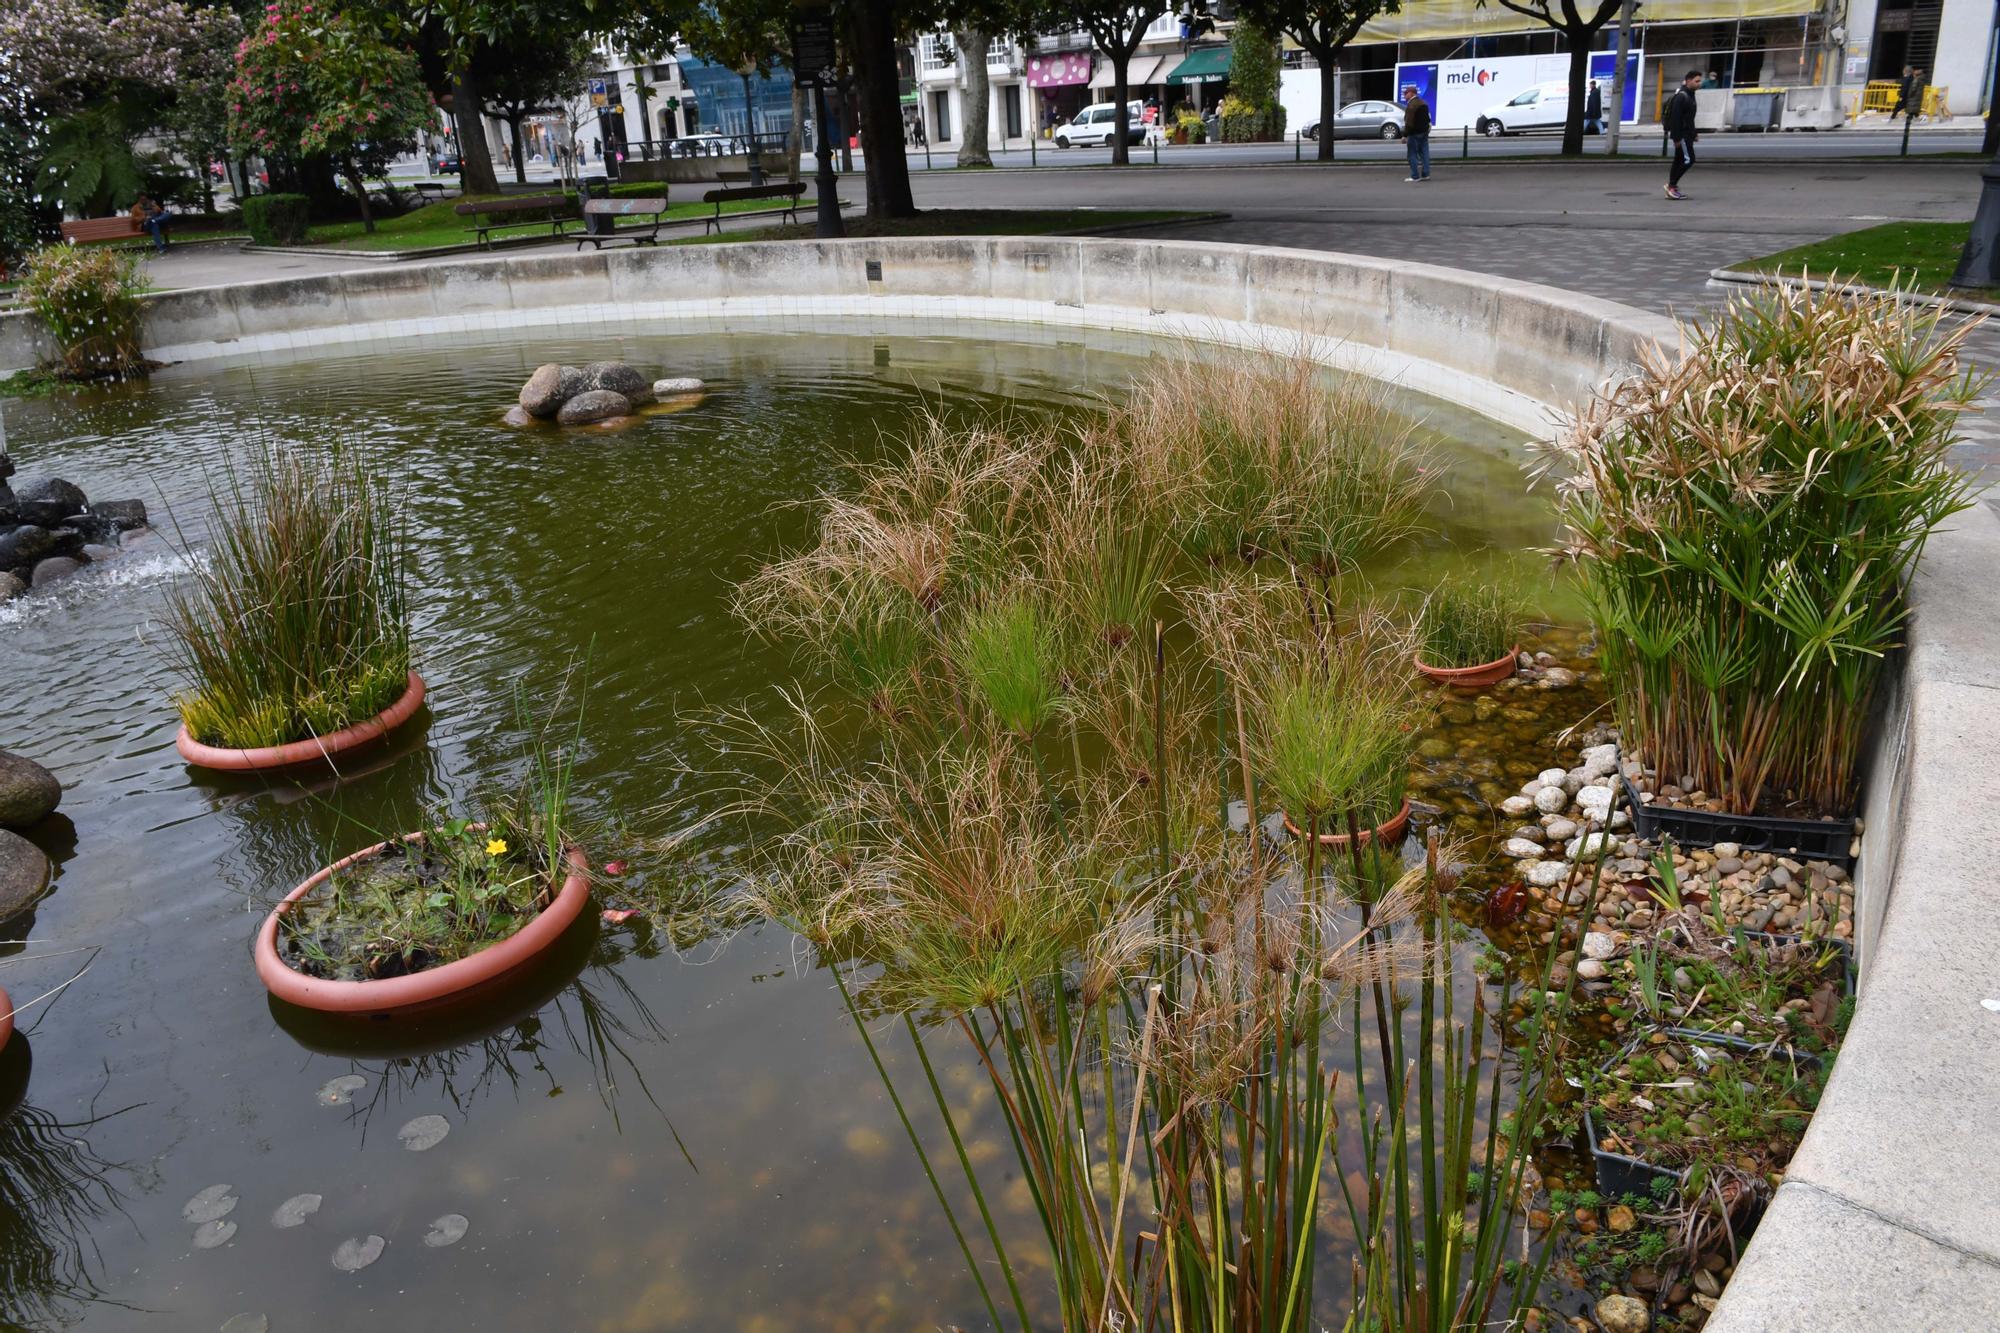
(1363, 120)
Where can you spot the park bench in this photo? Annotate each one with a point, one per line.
(431, 192)
(539, 210)
(122, 226)
(789, 191)
(642, 233)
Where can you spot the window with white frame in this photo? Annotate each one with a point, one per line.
(1166, 25)
(933, 52)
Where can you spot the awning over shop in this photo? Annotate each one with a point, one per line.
(1062, 71)
(1143, 72)
(1208, 64)
(1431, 20)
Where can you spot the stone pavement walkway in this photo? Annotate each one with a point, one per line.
(1661, 267)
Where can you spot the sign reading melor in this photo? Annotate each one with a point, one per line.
(813, 57)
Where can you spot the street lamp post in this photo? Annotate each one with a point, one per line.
(826, 185)
(1979, 262)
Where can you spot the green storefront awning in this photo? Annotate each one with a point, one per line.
(1209, 64)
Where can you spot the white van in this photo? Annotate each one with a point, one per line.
(1542, 107)
(1098, 123)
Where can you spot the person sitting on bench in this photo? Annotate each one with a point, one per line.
(147, 212)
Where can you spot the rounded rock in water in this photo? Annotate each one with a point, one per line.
(672, 388)
(28, 792)
(594, 405)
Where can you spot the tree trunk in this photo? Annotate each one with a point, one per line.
(361, 196)
(978, 99)
(1121, 151)
(1329, 105)
(881, 111)
(848, 120)
(795, 142)
(475, 163)
(520, 158)
(1579, 84)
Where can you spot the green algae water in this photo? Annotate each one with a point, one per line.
(689, 1135)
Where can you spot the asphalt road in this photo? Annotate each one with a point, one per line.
(1449, 144)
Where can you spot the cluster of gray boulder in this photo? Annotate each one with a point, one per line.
(603, 391)
(49, 530)
(29, 794)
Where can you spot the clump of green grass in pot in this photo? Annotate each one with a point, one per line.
(1465, 624)
(297, 622)
(88, 300)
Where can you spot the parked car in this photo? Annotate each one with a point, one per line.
(450, 164)
(1098, 123)
(699, 145)
(1363, 120)
(1543, 107)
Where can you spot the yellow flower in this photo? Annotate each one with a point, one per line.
(496, 847)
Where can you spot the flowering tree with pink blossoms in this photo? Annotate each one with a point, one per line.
(313, 82)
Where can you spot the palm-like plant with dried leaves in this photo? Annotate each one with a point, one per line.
(1742, 521)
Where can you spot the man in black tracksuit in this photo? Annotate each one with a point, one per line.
(1678, 122)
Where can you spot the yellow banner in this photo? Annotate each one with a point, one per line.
(1433, 20)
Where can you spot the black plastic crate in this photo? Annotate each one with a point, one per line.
(1805, 839)
(1618, 1174)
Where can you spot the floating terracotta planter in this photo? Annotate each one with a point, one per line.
(1472, 677)
(433, 986)
(1388, 833)
(313, 748)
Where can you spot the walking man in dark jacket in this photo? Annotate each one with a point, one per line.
(1593, 110)
(1417, 133)
(1678, 122)
(1903, 93)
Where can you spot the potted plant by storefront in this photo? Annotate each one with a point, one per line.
(1466, 635)
(291, 636)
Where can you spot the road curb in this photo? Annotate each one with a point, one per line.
(1725, 277)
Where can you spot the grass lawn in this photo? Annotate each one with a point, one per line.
(1922, 255)
(964, 222)
(438, 224)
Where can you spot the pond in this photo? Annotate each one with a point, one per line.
(681, 1139)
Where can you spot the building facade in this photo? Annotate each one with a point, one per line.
(1743, 43)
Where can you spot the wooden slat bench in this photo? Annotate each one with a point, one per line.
(789, 191)
(539, 210)
(119, 228)
(642, 233)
